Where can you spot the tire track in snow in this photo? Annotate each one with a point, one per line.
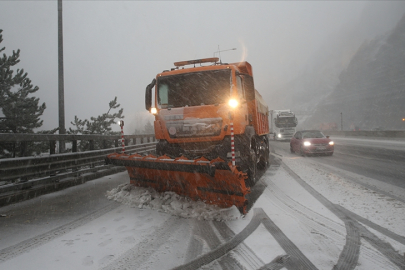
(351, 250)
(308, 217)
(224, 248)
(348, 258)
(329, 233)
(35, 242)
(297, 260)
(195, 247)
(378, 228)
(205, 231)
(140, 253)
(243, 252)
(359, 182)
(276, 264)
(384, 248)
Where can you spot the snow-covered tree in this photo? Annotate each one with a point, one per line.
(101, 124)
(149, 129)
(21, 111)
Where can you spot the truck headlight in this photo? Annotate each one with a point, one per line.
(307, 143)
(331, 143)
(233, 103)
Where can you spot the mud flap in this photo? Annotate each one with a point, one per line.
(213, 182)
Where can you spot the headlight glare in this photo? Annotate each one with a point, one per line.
(153, 111)
(233, 103)
(307, 143)
(331, 143)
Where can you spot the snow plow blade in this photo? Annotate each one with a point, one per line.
(213, 182)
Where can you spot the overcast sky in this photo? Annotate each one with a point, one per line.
(115, 48)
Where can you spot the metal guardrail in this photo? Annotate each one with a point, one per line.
(33, 167)
(367, 133)
(27, 177)
(22, 138)
(19, 137)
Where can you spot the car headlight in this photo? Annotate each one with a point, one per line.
(331, 143)
(307, 143)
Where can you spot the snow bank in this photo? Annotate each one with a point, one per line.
(170, 202)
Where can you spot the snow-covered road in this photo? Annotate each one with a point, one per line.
(310, 215)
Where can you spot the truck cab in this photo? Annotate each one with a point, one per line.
(283, 124)
(202, 111)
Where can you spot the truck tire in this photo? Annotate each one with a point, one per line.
(252, 169)
(264, 157)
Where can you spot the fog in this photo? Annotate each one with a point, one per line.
(115, 48)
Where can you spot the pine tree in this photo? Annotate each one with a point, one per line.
(21, 111)
(101, 124)
(149, 129)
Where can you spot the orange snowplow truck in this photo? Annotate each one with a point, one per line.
(212, 129)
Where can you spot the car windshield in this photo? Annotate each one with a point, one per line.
(312, 134)
(194, 89)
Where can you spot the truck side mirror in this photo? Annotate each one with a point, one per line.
(148, 95)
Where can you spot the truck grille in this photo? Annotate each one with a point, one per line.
(194, 127)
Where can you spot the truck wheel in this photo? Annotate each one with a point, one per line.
(264, 161)
(252, 170)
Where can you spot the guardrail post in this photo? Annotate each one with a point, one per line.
(13, 149)
(74, 146)
(52, 146)
(23, 146)
(91, 144)
(51, 173)
(74, 150)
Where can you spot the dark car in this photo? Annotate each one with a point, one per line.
(311, 142)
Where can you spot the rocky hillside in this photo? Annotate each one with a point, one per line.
(329, 83)
(371, 90)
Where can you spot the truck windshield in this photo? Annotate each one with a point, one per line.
(194, 89)
(286, 122)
